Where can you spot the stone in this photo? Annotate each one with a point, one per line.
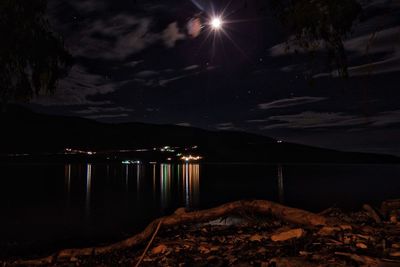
(361, 245)
(256, 238)
(288, 235)
(160, 249)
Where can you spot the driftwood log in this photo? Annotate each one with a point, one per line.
(288, 214)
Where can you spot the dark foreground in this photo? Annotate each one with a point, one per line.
(369, 237)
(269, 242)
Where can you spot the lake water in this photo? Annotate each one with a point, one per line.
(50, 206)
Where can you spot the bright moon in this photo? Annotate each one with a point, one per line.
(216, 23)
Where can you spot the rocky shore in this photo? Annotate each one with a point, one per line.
(251, 233)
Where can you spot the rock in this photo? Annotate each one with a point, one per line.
(346, 227)
(287, 235)
(204, 250)
(395, 245)
(221, 239)
(242, 264)
(261, 251)
(372, 213)
(361, 245)
(231, 259)
(305, 253)
(214, 248)
(366, 237)
(210, 258)
(159, 249)
(347, 239)
(292, 262)
(328, 231)
(393, 218)
(368, 229)
(180, 211)
(395, 254)
(390, 205)
(256, 238)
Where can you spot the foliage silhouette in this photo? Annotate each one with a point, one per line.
(32, 56)
(316, 23)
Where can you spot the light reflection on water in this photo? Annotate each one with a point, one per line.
(168, 183)
(126, 176)
(281, 191)
(138, 179)
(86, 201)
(88, 188)
(191, 183)
(165, 182)
(185, 178)
(68, 182)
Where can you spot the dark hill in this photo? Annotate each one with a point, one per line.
(24, 131)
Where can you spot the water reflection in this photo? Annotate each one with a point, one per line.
(88, 188)
(68, 183)
(166, 184)
(184, 178)
(154, 180)
(281, 192)
(191, 184)
(138, 184)
(62, 197)
(127, 177)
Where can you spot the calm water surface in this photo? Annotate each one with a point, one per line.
(89, 203)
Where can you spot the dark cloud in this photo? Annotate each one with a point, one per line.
(326, 120)
(226, 126)
(184, 124)
(191, 67)
(113, 38)
(386, 118)
(133, 64)
(290, 102)
(162, 78)
(312, 119)
(102, 110)
(106, 116)
(77, 88)
(88, 5)
(172, 34)
(145, 74)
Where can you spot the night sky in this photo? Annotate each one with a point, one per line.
(160, 62)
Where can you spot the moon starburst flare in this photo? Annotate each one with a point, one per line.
(216, 23)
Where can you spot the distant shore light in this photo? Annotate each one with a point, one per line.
(191, 158)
